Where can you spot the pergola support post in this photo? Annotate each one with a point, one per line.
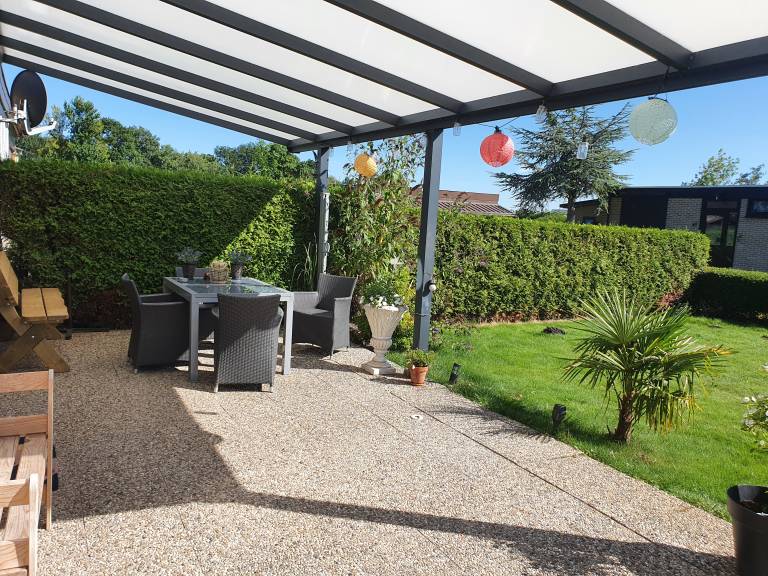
(425, 262)
(321, 209)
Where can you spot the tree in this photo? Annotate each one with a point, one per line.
(265, 159)
(722, 170)
(79, 132)
(130, 144)
(550, 169)
(643, 359)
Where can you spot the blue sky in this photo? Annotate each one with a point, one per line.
(731, 116)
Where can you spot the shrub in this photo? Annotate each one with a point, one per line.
(491, 268)
(419, 358)
(729, 293)
(755, 419)
(99, 221)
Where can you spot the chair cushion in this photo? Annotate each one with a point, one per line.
(314, 312)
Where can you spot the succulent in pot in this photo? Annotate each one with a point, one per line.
(238, 259)
(748, 504)
(189, 258)
(418, 366)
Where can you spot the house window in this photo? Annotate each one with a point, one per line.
(757, 209)
(589, 220)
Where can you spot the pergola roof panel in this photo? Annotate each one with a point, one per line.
(536, 35)
(316, 73)
(716, 23)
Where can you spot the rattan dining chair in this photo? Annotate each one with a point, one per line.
(246, 339)
(322, 317)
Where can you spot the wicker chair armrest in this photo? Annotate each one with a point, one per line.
(305, 300)
(147, 298)
(342, 307)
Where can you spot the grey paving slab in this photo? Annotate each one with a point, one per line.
(336, 472)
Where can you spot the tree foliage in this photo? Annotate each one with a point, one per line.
(723, 169)
(83, 135)
(549, 167)
(642, 357)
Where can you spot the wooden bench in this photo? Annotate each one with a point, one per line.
(33, 315)
(26, 478)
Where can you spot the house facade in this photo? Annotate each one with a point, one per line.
(735, 218)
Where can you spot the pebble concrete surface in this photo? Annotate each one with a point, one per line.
(335, 472)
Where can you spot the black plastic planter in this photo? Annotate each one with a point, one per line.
(750, 530)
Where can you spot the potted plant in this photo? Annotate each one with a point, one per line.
(384, 309)
(748, 504)
(189, 257)
(237, 259)
(219, 271)
(418, 366)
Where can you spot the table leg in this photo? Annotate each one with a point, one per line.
(288, 336)
(194, 326)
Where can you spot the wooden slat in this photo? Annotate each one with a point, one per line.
(8, 447)
(14, 572)
(32, 461)
(22, 425)
(24, 381)
(32, 307)
(14, 493)
(55, 308)
(9, 282)
(14, 553)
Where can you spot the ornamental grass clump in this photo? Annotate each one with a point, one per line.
(643, 359)
(755, 419)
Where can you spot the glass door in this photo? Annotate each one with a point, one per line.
(719, 220)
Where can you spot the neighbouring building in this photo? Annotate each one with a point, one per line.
(480, 203)
(735, 218)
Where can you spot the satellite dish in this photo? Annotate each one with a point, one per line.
(28, 93)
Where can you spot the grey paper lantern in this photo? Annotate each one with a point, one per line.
(653, 121)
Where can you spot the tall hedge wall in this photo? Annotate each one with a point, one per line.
(505, 268)
(103, 220)
(729, 293)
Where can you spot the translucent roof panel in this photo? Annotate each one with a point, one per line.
(228, 41)
(701, 24)
(109, 36)
(375, 45)
(536, 35)
(131, 89)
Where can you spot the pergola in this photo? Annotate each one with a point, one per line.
(314, 74)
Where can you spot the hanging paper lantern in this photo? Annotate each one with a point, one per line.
(365, 165)
(653, 121)
(497, 149)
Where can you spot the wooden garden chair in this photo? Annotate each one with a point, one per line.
(26, 475)
(33, 315)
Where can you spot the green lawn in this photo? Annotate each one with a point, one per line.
(515, 369)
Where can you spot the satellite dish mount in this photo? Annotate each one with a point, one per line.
(29, 100)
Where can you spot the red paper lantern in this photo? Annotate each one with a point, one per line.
(497, 149)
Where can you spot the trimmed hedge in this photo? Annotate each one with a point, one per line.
(100, 221)
(505, 268)
(729, 293)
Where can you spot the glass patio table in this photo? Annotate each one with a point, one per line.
(203, 293)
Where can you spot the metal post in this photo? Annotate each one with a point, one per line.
(321, 207)
(426, 257)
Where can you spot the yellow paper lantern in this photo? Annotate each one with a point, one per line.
(365, 165)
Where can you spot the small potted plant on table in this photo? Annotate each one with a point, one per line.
(384, 309)
(748, 504)
(238, 259)
(219, 272)
(189, 257)
(418, 366)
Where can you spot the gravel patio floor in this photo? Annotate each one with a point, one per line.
(336, 472)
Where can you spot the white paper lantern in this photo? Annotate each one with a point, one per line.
(653, 121)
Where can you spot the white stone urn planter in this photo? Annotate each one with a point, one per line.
(383, 322)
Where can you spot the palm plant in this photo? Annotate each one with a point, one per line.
(643, 359)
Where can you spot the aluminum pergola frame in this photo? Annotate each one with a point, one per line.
(262, 71)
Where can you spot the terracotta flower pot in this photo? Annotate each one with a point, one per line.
(418, 375)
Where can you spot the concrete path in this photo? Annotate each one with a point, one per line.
(337, 473)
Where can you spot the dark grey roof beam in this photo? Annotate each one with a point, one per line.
(116, 76)
(630, 30)
(257, 29)
(107, 89)
(161, 38)
(166, 70)
(445, 43)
